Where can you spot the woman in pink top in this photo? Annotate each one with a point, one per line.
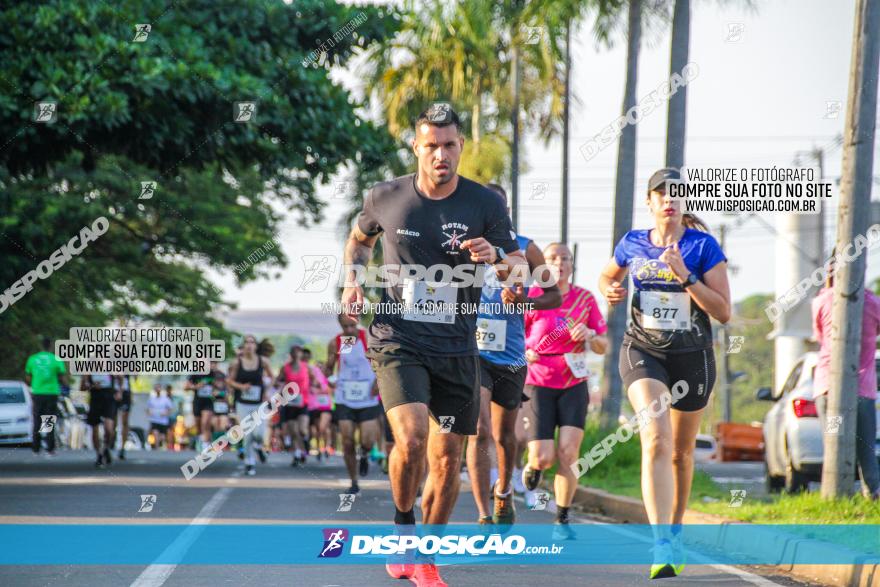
(866, 423)
(295, 415)
(556, 351)
(320, 408)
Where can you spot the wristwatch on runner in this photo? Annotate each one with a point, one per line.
(501, 255)
(691, 280)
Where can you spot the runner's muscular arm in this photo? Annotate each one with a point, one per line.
(610, 282)
(230, 379)
(331, 358)
(599, 344)
(358, 251)
(712, 293)
(267, 367)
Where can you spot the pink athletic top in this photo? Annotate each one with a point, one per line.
(301, 378)
(822, 332)
(547, 334)
(322, 401)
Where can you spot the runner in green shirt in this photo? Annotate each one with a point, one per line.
(44, 373)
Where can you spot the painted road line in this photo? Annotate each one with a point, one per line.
(197, 483)
(156, 574)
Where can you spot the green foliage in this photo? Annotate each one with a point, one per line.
(461, 53)
(486, 161)
(803, 508)
(162, 110)
(756, 359)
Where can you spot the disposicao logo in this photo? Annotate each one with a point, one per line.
(334, 541)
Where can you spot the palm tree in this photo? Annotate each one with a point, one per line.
(463, 51)
(676, 113)
(623, 215)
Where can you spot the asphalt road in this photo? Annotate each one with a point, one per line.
(69, 490)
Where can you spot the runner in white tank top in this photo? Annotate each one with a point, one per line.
(357, 401)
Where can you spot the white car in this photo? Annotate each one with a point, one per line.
(793, 450)
(704, 451)
(15, 413)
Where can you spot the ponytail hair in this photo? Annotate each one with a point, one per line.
(265, 348)
(692, 221)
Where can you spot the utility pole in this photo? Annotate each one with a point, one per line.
(849, 281)
(565, 124)
(819, 155)
(724, 366)
(514, 119)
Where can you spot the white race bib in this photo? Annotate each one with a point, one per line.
(666, 310)
(491, 334)
(356, 391)
(205, 391)
(297, 401)
(426, 303)
(254, 393)
(323, 400)
(577, 362)
(221, 407)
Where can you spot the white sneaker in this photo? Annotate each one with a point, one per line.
(530, 497)
(516, 479)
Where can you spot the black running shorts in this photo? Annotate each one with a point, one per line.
(506, 383)
(449, 386)
(102, 405)
(696, 368)
(201, 404)
(124, 405)
(358, 415)
(549, 408)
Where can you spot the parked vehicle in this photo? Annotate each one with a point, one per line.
(705, 448)
(15, 413)
(793, 450)
(740, 442)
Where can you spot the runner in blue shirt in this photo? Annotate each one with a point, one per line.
(501, 340)
(679, 274)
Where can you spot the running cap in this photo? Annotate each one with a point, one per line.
(439, 114)
(662, 176)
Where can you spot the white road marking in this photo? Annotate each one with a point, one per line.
(156, 574)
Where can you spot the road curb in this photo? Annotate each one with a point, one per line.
(862, 573)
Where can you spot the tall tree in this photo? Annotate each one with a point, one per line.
(159, 105)
(460, 53)
(623, 215)
(677, 109)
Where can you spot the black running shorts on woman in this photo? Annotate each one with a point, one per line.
(696, 368)
(449, 386)
(550, 408)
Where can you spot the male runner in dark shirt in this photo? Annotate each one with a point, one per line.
(425, 352)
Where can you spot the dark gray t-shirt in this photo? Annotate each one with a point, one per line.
(421, 231)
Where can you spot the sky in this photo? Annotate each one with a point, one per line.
(765, 78)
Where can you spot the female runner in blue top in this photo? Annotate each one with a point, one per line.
(679, 276)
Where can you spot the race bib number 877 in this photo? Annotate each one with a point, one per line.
(666, 310)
